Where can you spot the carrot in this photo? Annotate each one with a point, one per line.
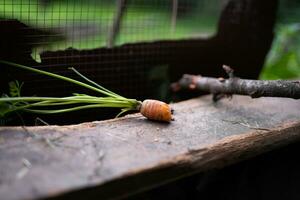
(156, 110)
(151, 109)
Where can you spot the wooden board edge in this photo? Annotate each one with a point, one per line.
(227, 151)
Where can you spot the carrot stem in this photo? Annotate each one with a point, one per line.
(60, 77)
(28, 104)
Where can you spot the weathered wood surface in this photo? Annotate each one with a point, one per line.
(115, 158)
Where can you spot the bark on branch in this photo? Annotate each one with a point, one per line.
(234, 85)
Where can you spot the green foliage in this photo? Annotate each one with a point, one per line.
(4, 109)
(14, 91)
(15, 88)
(283, 61)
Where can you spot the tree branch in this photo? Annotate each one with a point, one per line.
(234, 85)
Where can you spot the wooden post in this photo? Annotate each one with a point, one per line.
(174, 15)
(115, 28)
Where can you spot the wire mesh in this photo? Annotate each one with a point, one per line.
(83, 34)
(108, 40)
(87, 24)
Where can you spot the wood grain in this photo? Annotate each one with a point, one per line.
(119, 157)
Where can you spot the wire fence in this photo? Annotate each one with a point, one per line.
(107, 40)
(91, 24)
(86, 24)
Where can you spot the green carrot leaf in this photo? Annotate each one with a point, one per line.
(53, 105)
(15, 88)
(4, 109)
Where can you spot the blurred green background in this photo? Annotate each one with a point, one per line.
(86, 23)
(283, 61)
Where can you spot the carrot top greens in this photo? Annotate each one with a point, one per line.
(15, 102)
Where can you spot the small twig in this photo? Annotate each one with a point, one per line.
(116, 136)
(25, 169)
(234, 85)
(114, 31)
(246, 124)
(229, 71)
(33, 135)
(37, 120)
(29, 134)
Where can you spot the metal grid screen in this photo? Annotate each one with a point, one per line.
(87, 23)
(133, 47)
(93, 24)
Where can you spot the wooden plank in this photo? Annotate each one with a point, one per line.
(115, 158)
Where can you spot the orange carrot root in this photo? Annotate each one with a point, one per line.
(156, 110)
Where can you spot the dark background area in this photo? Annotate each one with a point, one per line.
(273, 175)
